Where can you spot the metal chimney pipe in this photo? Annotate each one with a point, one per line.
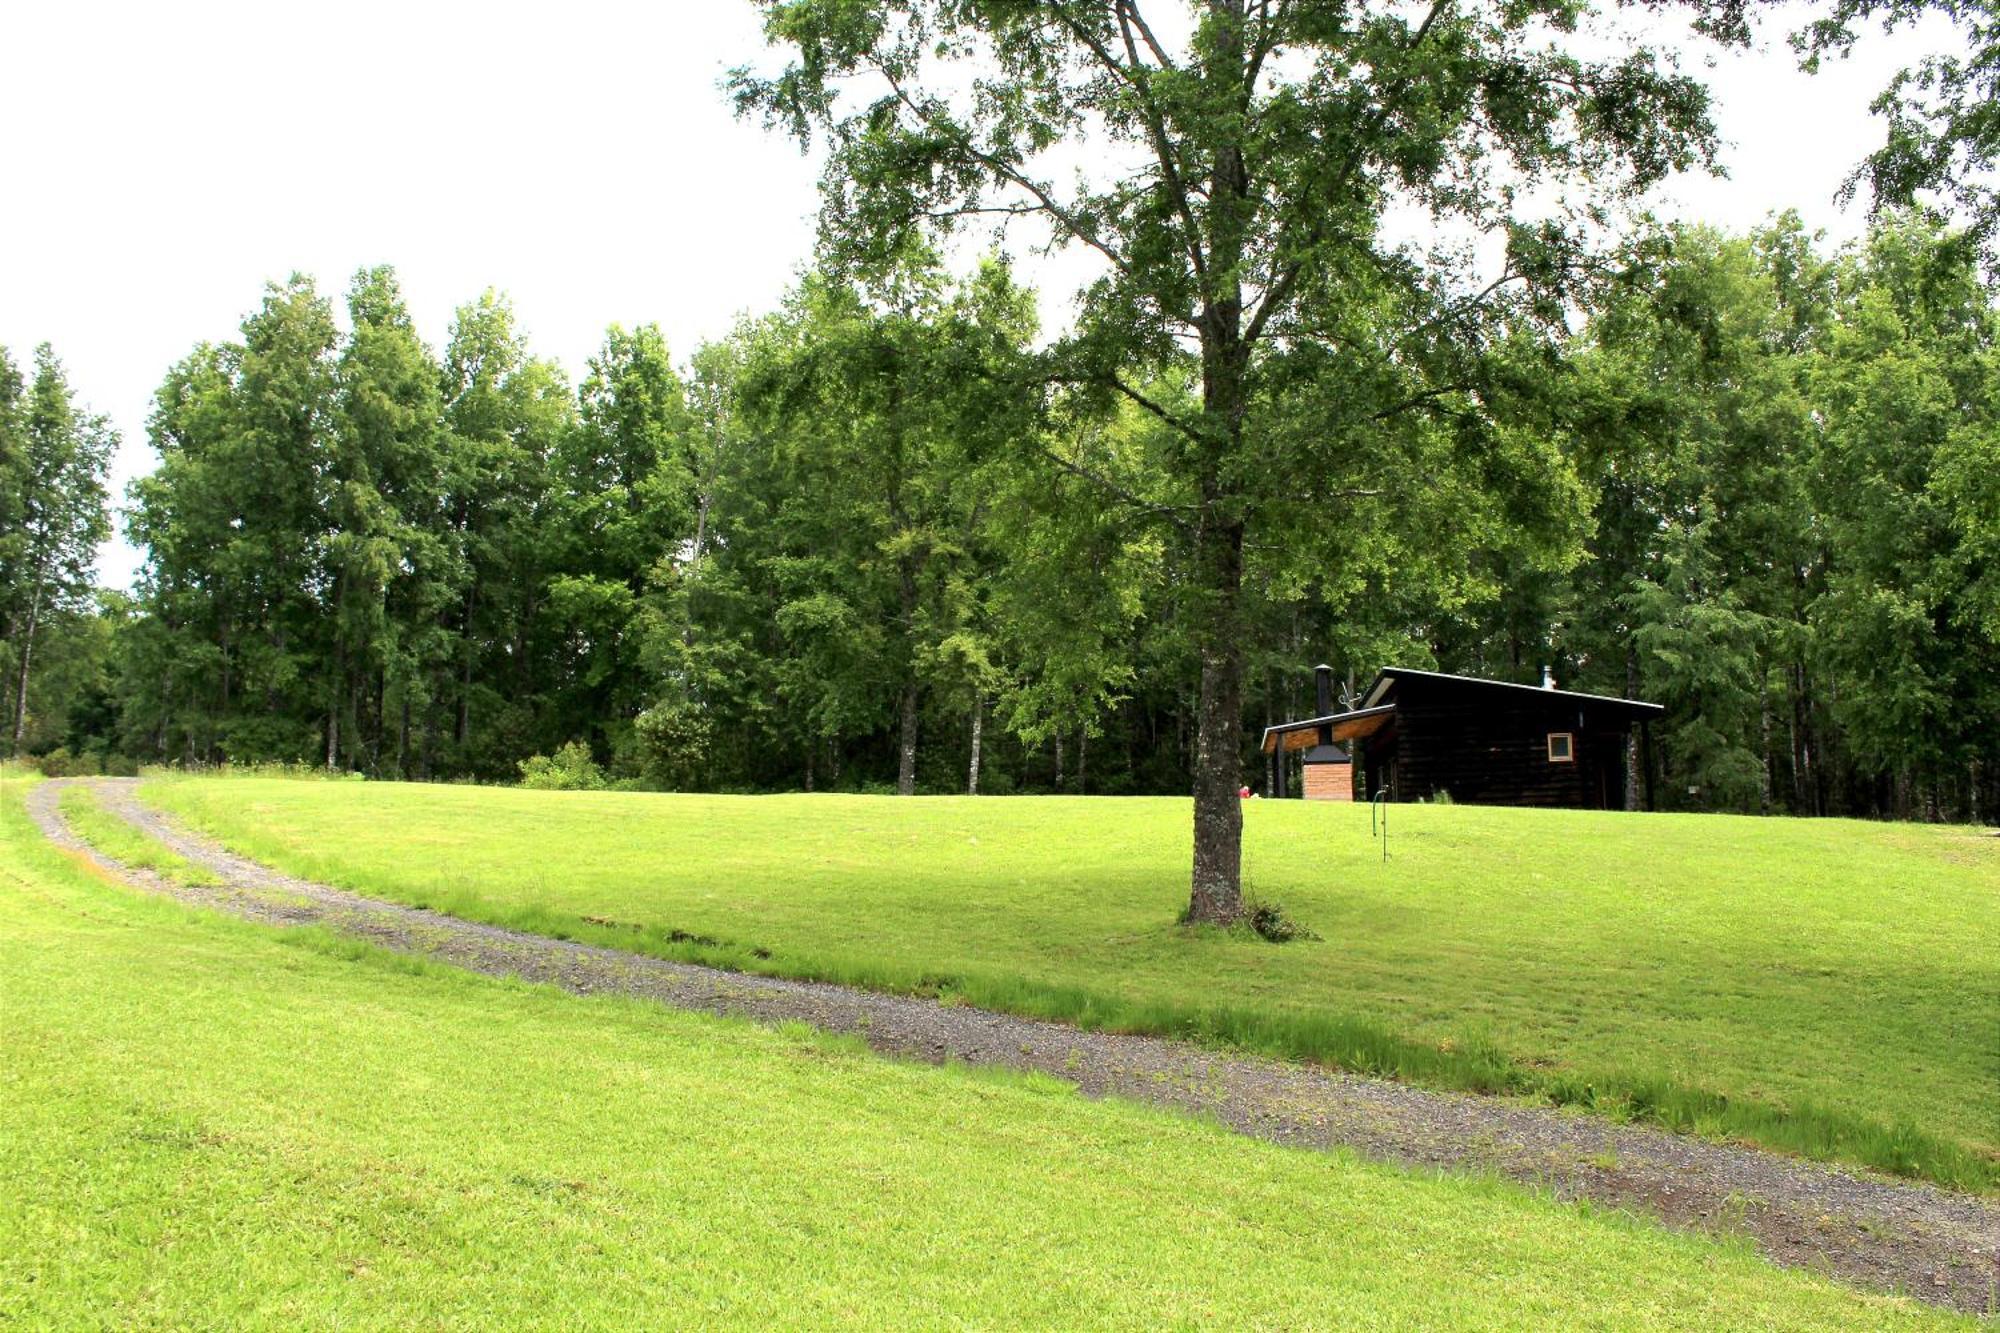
(1323, 699)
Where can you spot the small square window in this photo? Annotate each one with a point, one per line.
(1562, 747)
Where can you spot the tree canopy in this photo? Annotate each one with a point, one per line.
(1254, 153)
(1374, 370)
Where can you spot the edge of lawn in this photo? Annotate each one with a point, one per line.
(40, 857)
(1338, 1041)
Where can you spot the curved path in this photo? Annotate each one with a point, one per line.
(1931, 1243)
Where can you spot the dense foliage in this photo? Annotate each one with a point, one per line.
(1244, 167)
(864, 543)
(53, 514)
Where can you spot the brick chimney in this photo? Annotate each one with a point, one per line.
(1329, 773)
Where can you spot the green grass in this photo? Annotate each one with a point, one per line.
(119, 840)
(206, 1123)
(1826, 987)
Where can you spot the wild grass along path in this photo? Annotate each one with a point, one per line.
(1929, 1242)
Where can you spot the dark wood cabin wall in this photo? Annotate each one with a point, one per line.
(1484, 749)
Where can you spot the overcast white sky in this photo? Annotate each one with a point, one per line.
(164, 160)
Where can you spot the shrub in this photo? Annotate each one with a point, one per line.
(60, 763)
(670, 743)
(570, 769)
(1274, 924)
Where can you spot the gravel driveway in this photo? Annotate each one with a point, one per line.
(1929, 1242)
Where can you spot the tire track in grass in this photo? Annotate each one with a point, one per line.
(1875, 1231)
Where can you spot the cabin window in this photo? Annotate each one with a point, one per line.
(1562, 747)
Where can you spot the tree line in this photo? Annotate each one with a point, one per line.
(868, 542)
(1277, 426)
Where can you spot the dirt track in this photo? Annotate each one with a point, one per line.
(1934, 1244)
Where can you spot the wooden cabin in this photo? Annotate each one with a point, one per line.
(1416, 734)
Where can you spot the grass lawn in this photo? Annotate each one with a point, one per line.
(205, 1123)
(1829, 987)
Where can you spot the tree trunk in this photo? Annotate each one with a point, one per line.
(463, 726)
(1764, 747)
(427, 755)
(7, 699)
(1083, 762)
(278, 639)
(1059, 759)
(1216, 894)
(214, 747)
(906, 758)
(1635, 776)
(160, 723)
(337, 687)
(978, 729)
(380, 731)
(21, 677)
(1809, 758)
(701, 531)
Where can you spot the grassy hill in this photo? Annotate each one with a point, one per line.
(208, 1123)
(1824, 986)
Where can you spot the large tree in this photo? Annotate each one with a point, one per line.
(237, 526)
(1907, 392)
(852, 529)
(391, 567)
(504, 413)
(1231, 170)
(53, 458)
(625, 497)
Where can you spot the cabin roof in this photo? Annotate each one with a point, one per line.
(1378, 708)
(1304, 733)
(1386, 678)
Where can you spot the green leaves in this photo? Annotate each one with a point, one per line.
(1942, 138)
(1784, 553)
(53, 513)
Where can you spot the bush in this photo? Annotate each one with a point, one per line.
(1274, 924)
(669, 743)
(571, 769)
(60, 763)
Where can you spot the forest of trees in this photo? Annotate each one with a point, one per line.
(868, 541)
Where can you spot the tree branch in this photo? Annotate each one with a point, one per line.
(1168, 512)
(1281, 290)
(1133, 76)
(974, 210)
(1130, 9)
(1149, 405)
(1008, 172)
(1420, 399)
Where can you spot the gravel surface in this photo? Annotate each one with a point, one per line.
(1932, 1243)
